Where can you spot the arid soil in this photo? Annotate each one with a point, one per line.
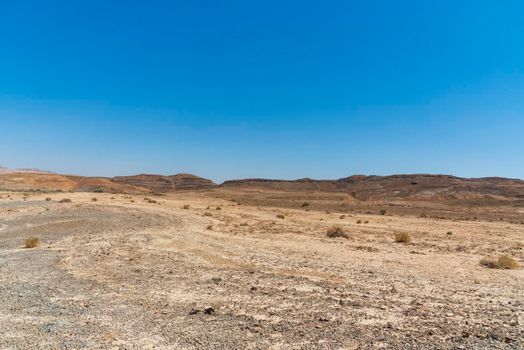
(197, 270)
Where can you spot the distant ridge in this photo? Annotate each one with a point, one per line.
(408, 187)
(162, 184)
(5, 170)
(16, 180)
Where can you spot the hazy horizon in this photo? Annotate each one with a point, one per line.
(268, 90)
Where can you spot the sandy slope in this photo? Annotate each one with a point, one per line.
(126, 273)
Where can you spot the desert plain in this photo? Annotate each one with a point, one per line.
(244, 268)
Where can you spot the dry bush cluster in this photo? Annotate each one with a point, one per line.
(280, 216)
(31, 242)
(402, 237)
(336, 231)
(65, 200)
(503, 262)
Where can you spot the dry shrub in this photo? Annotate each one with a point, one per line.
(218, 208)
(342, 216)
(48, 199)
(402, 237)
(152, 201)
(208, 214)
(359, 221)
(503, 262)
(336, 231)
(280, 216)
(65, 200)
(305, 204)
(94, 199)
(382, 211)
(31, 242)
(209, 227)
(366, 222)
(449, 233)
(185, 206)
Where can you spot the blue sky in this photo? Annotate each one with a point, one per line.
(278, 89)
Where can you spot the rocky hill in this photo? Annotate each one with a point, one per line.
(417, 187)
(410, 187)
(162, 184)
(121, 184)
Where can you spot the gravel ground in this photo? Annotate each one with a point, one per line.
(127, 273)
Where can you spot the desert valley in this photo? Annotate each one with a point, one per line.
(178, 262)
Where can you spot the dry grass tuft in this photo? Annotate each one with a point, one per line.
(218, 208)
(209, 227)
(305, 205)
(65, 200)
(31, 242)
(48, 199)
(336, 231)
(185, 206)
(383, 211)
(207, 213)
(94, 199)
(402, 237)
(359, 221)
(503, 262)
(281, 216)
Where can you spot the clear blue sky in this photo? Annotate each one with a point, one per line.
(278, 89)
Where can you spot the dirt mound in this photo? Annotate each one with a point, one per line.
(160, 183)
(409, 187)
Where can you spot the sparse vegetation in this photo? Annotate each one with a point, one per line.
(209, 227)
(281, 216)
(383, 211)
(32, 242)
(185, 206)
(65, 200)
(207, 213)
(359, 221)
(336, 231)
(48, 199)
(305, 205)
(342, 216)
(94, 199)
(402, 237)
(449, 233)
(218, 208)
(503, 262)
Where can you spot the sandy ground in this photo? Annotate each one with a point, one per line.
(125, 273)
